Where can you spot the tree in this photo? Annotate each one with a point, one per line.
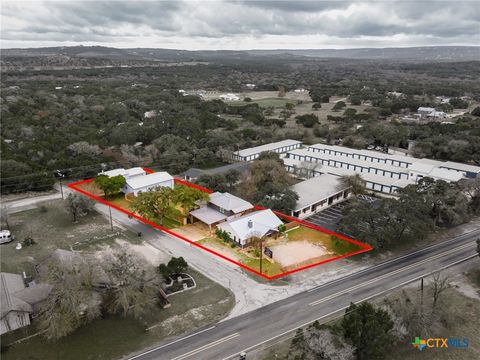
(339, 105)
(134, 286)
(232, 176)
(307, 120)
(79, 205)
(215, 182)
(72, 301)
(187, 197)
(153, 204)
(476, 111)
(177, 265)
(439, 285)
(316, 106)
(355, 100)
(289, 106)
(355, 183)
(110, 184)
(368, 329)
(281, 91)
(478, 247)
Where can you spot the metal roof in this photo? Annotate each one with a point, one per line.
(266, 147)
(208, 215)
(316, 189)
(229, 202)
(139, 182)
(262, 222)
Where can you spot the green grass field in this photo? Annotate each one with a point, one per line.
(332, 243)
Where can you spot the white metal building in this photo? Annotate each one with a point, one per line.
(317, 194)
(278, 147)
(126, 173)
(148, 182)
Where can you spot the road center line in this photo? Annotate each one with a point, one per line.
(458, 238)
(207, 346)
(389, 274)
(170, 343)
(345, 307)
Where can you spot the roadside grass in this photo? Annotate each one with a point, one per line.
(332, 243)
(115, 337)
(460, 320)
(51, 227)
(268, 268)
(474, 277)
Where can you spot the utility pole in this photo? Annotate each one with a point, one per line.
(421, 289)
(61, 186)
(111, 221)
(261, 254)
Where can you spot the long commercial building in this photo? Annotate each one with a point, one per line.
(382, 172)
(279, 147)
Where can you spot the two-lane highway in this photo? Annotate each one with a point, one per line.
(227, 339)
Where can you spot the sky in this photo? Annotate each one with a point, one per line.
(239, 25)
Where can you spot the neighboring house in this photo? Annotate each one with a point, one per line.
(429, 112)
(139, 184)
(229, 97)
(256, 224)
(279, 147)
(18, 302)
(126, 173)
(194, 173)
(317, 194)
(221, 207)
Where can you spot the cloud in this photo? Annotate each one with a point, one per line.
(234, 24)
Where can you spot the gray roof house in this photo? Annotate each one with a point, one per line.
(18, 301)
(221, 207)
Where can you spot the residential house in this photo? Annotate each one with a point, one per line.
(256, 224)
(19, 302)
(221, 207)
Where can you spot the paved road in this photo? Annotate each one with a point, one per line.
(227, 339)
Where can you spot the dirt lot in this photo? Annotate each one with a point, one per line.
(51, 227)
(291, 253)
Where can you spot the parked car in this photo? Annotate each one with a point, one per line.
(370, 147)
(6, 236)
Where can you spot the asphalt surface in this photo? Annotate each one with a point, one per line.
(247, 332)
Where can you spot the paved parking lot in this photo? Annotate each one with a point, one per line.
(329, 218)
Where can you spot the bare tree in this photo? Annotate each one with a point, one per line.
(72, 301)
(134, 286)
(4, 216)
(439, 285)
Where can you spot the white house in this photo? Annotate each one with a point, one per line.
(229, 97)
(126, 173)
(317, 194)
(256, 224)
(139, 184)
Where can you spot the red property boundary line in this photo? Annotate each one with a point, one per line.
(364, 247)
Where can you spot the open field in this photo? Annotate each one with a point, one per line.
(114, 337)
(51, 227)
